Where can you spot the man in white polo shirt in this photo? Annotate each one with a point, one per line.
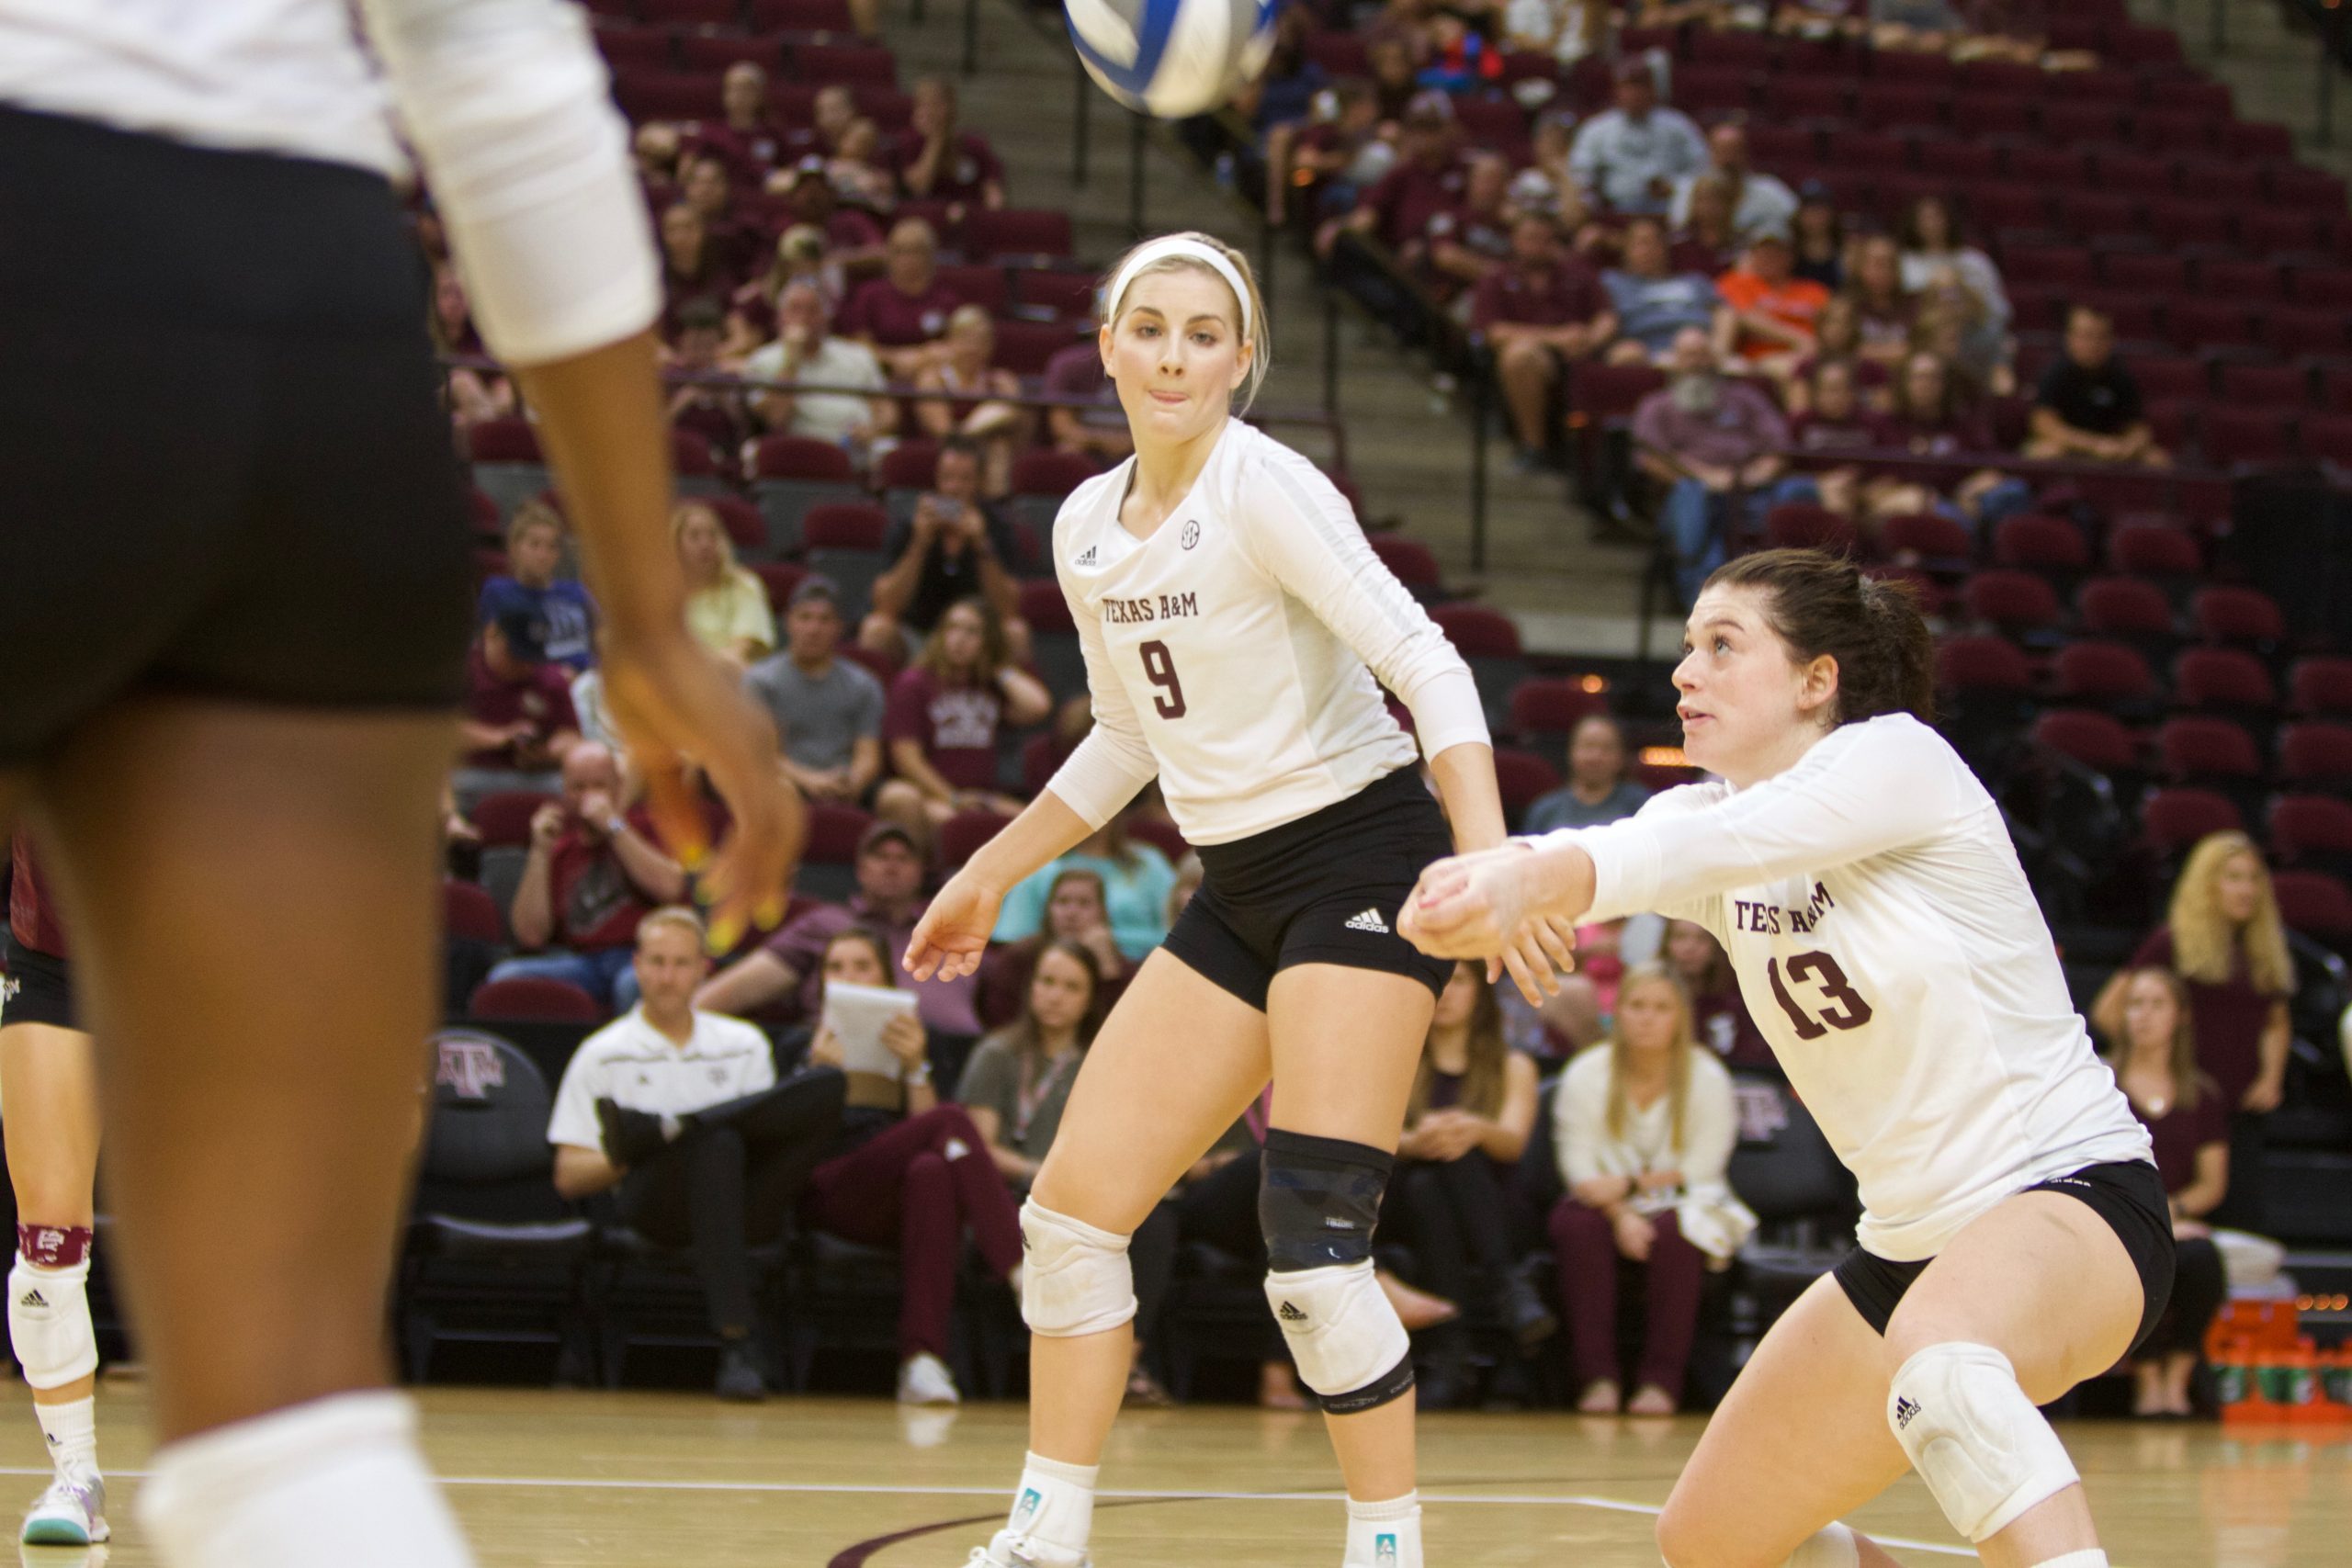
(680, 1110)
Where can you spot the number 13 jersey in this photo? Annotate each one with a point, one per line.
(1233, 652)
(1889, 948)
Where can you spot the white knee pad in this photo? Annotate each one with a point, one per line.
(48, 1319)
(1346, 1339)
(1829, 1547)
(1975, 1438)
(1077, 1279)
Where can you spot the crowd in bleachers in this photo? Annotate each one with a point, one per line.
(1841, 249)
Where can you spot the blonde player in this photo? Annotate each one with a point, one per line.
(2015, 1238)
(1233, 620)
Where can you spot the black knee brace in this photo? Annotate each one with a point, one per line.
(1318, 1200)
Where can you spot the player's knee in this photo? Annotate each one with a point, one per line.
(48, 1305)
(1974, 1437)
(1317, 1201)
(1076, 1280)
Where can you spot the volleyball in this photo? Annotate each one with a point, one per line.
(1172, 58)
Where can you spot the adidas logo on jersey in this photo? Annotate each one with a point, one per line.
(1904, 1409)
(1088, 558)
(1369, 921)
(33, 1299)
(1290, 1313)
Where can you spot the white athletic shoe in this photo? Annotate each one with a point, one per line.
(1011, 1550)
(925, 1380)
(73, 1512)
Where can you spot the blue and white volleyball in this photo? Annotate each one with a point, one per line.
(1172, 58)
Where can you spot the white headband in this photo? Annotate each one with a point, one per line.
(1191, 250)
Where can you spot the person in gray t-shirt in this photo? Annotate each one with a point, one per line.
(1598, 790)
(828, 711)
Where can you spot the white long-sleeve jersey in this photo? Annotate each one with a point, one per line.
(504, 101)
(1233, 653)
(1889, 948)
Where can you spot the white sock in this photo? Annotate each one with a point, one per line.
(2089, 1557)
(1385, 1535)
(71, 1429)
(1055, 1502)
(338, 1483)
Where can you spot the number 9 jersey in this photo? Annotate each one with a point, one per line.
(1234, 652)
(1889, 948)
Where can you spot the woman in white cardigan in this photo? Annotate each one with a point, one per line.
(1644, 1124)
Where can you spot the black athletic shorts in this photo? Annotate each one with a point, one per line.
(2129, 1195)
(38, 988)
(224, 469)
(1323, 889)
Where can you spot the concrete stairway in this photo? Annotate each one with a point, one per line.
(2269, 56)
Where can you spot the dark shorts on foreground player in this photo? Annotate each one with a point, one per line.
(1324, 890)
(2129, 1195)
(38, 988)
(222, 470)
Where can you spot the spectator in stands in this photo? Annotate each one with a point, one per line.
(1654, 304)
(2087, 407)
(1838, 340)
(1719, 1019)
(1468, 243)
(1818, 232)
(805, 350)
(726, 607)
(954, 545)
(1396, 74)
(2223, 937)
(518, 725)
(973, 399)
(680, 1109)
(1714, 443)
(1884, 309)
(1567, 31)
(1541, 312)
(902, 314)
(655, 150)
(1645, 1128)
(1075, 911)
(473, 395)
(946, 712)
(1099, 431)
(709, 189)
(593, 870)
(1285, 92)
(915, 1175)
(562, 613)
(1136, 881)
(1334, 156)
(938, 161)
(747, 133)
(860, 170)
(1937, 257)
(785, 972)
(828, 710)
(705, 398)
(1600, 788)
(1931, 418)
(1758, 200)
(1548, 185)
(1951, 326)
(1427, 179)
(1472, 1108)
(830, 114)
(1706, 243)
(1630, 157)
(2155, 1065)
(588, 704)
(799, 258)
(1773, 310)
(694, 264)
(1831, 423)
(853, 239)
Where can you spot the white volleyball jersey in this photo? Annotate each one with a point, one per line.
(1233, 652)
(635, 1064)
(1889, 948)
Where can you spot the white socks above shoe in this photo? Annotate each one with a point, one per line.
(1055, 1503)
(338, 1483)
(71, 1429)
(2090, 1558)
(1385, 1535)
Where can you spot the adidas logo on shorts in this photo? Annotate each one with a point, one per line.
(1903, 1410)
(33, 1299)
(1369, 921)
(1290, 1313)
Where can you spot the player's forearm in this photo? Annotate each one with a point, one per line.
(1045, 830)
(1474, 804)
(533, 913)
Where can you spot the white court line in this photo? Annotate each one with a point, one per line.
(1139, 1494)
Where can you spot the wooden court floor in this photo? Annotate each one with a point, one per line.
(573, 1480)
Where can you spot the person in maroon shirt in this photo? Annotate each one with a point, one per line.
(694, 264)
(2223, 937)
(2155, 1064)
(1833, 424)
(946, 712)
(936, 162)
(853, 239)
(518, 716)
(903, 315)
(1719, 1018)
(748, 136)
(1427, 179)
(1707, 244)
(1469, 242)
(592, 872)
(709, 189)
(1076, 911)
(1099, 432)
(1542, 309)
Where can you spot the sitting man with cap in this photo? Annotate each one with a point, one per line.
(828, 711)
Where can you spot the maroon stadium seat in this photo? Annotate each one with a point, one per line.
(2097, 741)
(1045, 608)
(1017, 232)
(1043, 471)
(2155, 550)
(1478, 631)
(2222, 678)
(1540, 706)
(2174, 820)
(2191, 225)
(468, 911)
(2310, 828)
(2194, 749)
(502, 441)
(2240, 437)
(2142, 271)
(1160, 834)
(910, 465)
(2059, 267)
(2106, 674)
(2321, 686)
(2124, 606)
(2279, 389)
(2317, 905)
(1602, 394)
(716, 51)
(1025, 348)
(1801, 525)
(856, 63)
(534, 999)
(2051, 545)
(2248, 282)
(1524, 777)
(2316, 753)
(844, 526)
(835, 832)
(1414, 564)
(797, 458)
(2325, 437)
(981, 285)
(961, 835)
(802, 17)
(1929, 536)
(2237, 616)
(2014, 601)
(502, 817)
(778, 579)
(1973, 662)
